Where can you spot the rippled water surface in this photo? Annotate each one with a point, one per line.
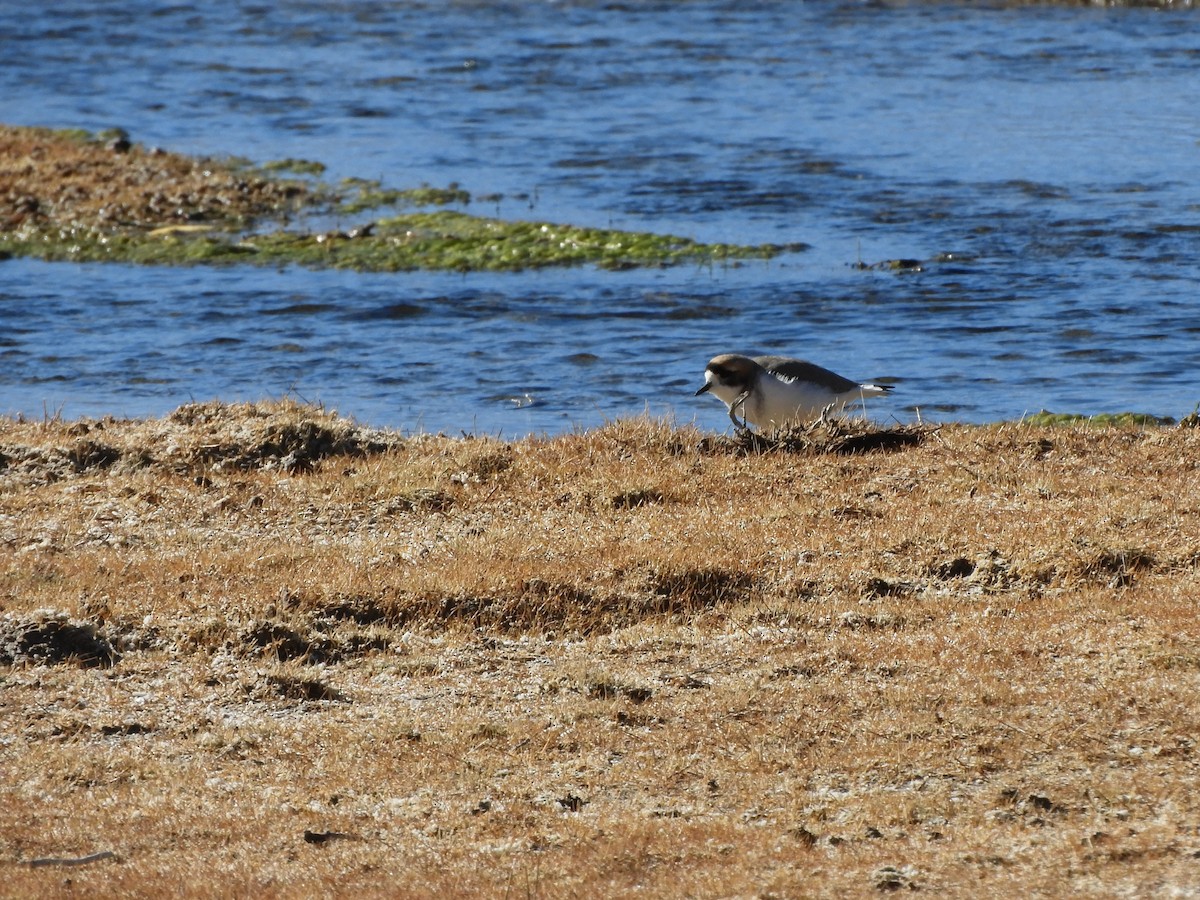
(1042, 163)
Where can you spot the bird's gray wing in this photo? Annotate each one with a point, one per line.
(799, 370)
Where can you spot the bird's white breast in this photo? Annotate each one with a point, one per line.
(774, 402)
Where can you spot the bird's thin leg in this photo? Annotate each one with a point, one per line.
(739, 400)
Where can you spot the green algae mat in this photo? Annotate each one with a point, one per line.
(81, 197)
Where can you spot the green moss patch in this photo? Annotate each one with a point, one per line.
(77, 197)
(373, 195)
(440, 240)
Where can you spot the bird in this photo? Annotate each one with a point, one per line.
(773, 392)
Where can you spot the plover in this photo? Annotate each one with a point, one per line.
(774, 391)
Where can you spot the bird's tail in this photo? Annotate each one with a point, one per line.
(875, 390)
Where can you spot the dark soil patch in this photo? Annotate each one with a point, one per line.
(291, 687)
(313, 645)
(843, 437)
(553, 606)
(50, 638)
(293, 447)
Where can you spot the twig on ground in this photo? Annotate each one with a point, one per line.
(71, 860)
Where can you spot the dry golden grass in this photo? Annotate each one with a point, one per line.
(257, 650)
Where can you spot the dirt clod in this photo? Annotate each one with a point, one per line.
(51, 638)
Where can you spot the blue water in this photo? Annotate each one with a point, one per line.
(1042, 162)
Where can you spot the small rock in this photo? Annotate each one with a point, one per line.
(891, 878)
(572, 802)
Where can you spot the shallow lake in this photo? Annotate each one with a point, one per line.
(1042, 164)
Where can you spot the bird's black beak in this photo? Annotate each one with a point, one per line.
(707, 385)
